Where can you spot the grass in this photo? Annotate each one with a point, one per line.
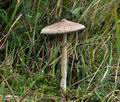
(29, 61)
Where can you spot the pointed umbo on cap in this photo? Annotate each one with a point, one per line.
(62, 27)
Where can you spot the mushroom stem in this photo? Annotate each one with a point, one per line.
(64, 64)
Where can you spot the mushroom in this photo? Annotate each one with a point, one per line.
(63, 28)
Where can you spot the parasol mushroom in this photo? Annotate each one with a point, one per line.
(63, 28)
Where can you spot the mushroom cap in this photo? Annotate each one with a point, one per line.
(62, 27)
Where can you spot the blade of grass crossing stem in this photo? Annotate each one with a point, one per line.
(55, 57)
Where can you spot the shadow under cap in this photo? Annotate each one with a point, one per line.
(62, 27)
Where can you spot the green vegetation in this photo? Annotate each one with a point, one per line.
(29, 64)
